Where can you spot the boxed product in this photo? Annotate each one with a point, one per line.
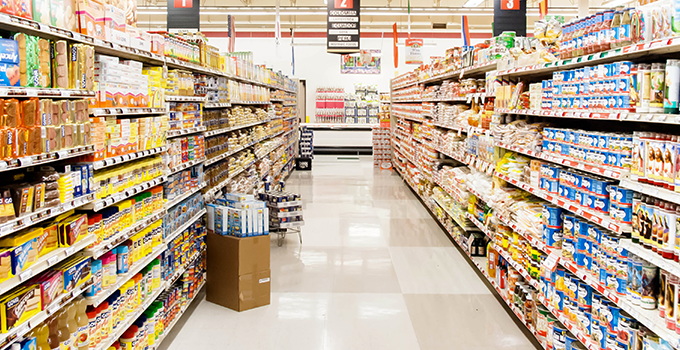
(18, 306)
(90, 15)
(76, 271)
(239, 272)
(9, 63)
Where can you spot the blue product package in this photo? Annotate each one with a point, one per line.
(599, 202)
(603, 141)
(9, 63)
(621, 285)
(559, 336)
(562, 190)
(546, 144)
(568, 226)
(612, 317)
(581, 198)
(582, 244)
(560, 135)
(621, 195)
(594, 234)
(552, 186)
(568, 249)
(571, 287)
(621, 213)
(552, 215)
(625, 68)
(585, 294)
(553, 236)
(564, 149)
(550, 171)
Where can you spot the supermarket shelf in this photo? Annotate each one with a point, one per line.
(227, 154)
(289, 104)
(123, 278)
(6, 339)
(45, 262)
(338, 126)
(462, 225)
(128, 321)
(177, 63)
(170, 98)
(97, 112)
(590, 345)
(652, 48)
(650, 190)
(624, 116)
(184, 226)
(172, 324)
(120, 196)
(273, 87)
(479, 225)
(403, 85)
(250, 102)
(528, 236)
(43, 214)
(478, 194)
(175, 276)
(602, 170)
(100, 249)
(654, 258)
(100, 164)
(185, 165)
(276, 99)
(461, 73)
(217, 105)
(232, 128)
(19, 91)
(184, 196)
(45, 158)
(591, 215)
(187, 131)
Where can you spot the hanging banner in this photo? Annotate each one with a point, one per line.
(184, 14)
(394, 43)
(365, 62)
(414, 51)
(343, 28)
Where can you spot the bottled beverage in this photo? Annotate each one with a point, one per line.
(53, 335)
(82, 321)
(64, 334)
(72, 325)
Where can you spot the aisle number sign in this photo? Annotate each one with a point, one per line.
(343, 26)
(184, 15)
(509, 4)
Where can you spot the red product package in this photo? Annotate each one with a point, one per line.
(24, 8)
(50, 284)
(7, 6)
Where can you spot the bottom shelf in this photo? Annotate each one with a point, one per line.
(480, 264)
(172, 324)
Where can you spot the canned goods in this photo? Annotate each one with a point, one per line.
(568, 226)
(572, 287)
(585, 295)
(598, 333)
(552, 236)
(569, 339)
(627, 327)
(568, 249)
(612, 318)
(559, 336)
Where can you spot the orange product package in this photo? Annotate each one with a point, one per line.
(35, 136)
(67, 136)
(22, 142)
(29, 112)
(12, 113)
(51, 141)
(8, 143)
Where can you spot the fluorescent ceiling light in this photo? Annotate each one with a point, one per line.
(473, 3)
(615, 3)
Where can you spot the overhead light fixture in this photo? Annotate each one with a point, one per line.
(615, 3)
(473, 3)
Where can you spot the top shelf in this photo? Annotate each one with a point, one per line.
(656, 47)
(18, 24)
(467, 72)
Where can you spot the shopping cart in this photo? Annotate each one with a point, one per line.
(285, 211)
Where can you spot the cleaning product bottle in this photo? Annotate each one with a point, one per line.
(82, 321)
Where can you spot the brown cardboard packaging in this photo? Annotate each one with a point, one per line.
(239, 277)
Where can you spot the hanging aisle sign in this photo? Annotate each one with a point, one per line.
(184, 14)
(343, 27)
(414, 51)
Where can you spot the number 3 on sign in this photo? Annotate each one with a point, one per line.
(344, 4)
(509, 4)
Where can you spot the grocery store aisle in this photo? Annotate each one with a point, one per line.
(374, 271)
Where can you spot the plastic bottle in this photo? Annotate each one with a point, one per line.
(672, 93)
(82, 321)
(41, 334)
(156, 274)
(644, 87)
(624, 30)
(614, 32)
(658, 83)
(597, 32)
(127, 340)
(105, 317)
(72, 324)
(122, 264)
(64, 332)
(93, 331)
(53, 329)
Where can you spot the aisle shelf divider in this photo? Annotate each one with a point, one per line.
(107, 111)
(187, 131)
(185, 165)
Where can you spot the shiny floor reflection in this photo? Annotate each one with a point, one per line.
(375, 271)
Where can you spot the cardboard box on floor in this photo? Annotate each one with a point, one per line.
(238, 271)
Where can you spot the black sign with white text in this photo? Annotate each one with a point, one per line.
(184, 14)
(342, 35)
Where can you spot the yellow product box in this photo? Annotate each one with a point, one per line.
(18, 306)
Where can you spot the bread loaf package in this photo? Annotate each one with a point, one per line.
(59, 56)
(29, 112)
(44, 69)
(45, 112)
(9, 63)
(70, 21)
(22, 142)
(67, 136)
(89, 67)
(81, 111)
(12, 113)
(56, 113)
(52, 142)
(35, 139)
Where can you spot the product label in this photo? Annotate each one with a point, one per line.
(624, 32)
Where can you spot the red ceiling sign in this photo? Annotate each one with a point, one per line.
(344, 4)
(184, 4)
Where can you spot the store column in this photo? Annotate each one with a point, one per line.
(510, 15)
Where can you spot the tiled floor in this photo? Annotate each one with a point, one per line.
(374, 271)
